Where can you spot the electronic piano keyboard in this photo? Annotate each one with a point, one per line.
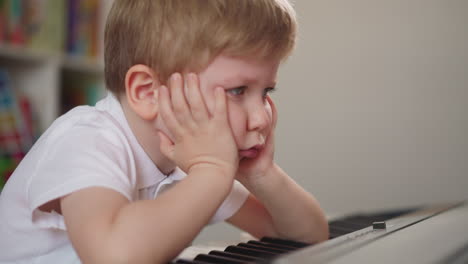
(435, 234)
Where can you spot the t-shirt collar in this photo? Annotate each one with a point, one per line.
(148, 173)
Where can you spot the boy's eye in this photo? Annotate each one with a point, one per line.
(268, 91)
(237, 91)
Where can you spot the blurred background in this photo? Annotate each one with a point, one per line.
(373, 104)
(50, 61)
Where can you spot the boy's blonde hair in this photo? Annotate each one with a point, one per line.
(185, 35)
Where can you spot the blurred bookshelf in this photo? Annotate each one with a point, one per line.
(51, 60)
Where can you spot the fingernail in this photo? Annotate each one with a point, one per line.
(175, 76)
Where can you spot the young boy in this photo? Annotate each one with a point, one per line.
(184, 138)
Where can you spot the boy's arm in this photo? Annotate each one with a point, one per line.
(104, 227)
(279, 207)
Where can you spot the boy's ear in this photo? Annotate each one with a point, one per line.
(141, 84)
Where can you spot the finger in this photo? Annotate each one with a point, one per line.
(269, 146)
(179, 103)
(195, 99)
(220, 111)
(166, 146)
(167, 113)
(274, 112)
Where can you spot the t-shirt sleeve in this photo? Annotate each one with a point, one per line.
(77, 160)
(232, 203)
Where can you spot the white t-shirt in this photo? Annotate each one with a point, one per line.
(88, 146)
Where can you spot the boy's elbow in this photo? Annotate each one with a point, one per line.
(118, 254)
(324, 233)
(126, 253)
(318, 233)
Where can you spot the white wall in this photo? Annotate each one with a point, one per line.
(374, 104)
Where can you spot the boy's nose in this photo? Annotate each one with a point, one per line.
(258, 118)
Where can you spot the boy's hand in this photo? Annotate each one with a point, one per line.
(199, 139)
(252, 169)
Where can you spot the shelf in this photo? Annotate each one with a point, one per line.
(38, 74)
(44, 75)
(66, 62)
(80, 64)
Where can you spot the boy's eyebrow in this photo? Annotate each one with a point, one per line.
(248, 80)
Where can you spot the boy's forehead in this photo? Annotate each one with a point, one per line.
(251, 71)
(247, 79)
(244, 63)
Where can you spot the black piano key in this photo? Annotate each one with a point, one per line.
(334, 235)
(234, 256)
(356, 222)
(339, 227)
(339, 230)
(347, 224)
(184, 261)
(218, 259)
(368, 219)
(386, 215)
(362, 220)
(356, 218)
(250, 252)
(255, 242)
(285, 242)
(269, 249)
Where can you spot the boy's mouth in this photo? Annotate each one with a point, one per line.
(250, 153)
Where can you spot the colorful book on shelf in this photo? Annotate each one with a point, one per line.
(45, 24)
(15, 27)
(83, 27)
(38, 24)
(16, 127)
(61, 26)
(3, 20)
(104, 8)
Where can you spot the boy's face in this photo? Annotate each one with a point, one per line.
(247, 82)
